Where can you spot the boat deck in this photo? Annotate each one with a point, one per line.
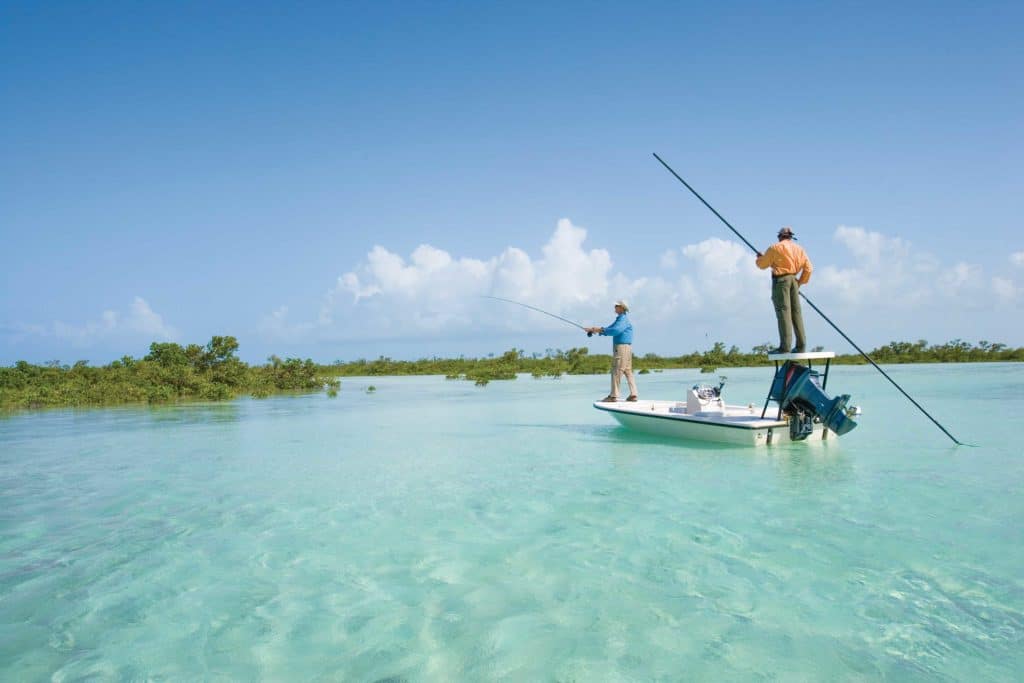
(742, 417)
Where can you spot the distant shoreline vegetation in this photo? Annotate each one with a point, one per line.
(579, 361)
(171, 372)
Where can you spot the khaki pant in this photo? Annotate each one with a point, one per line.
(786, 297)
(622, 364)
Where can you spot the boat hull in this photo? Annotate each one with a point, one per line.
(740, 425)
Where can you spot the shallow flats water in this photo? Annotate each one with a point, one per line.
(434, 530)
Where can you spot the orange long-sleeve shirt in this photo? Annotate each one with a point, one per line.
(786, 257)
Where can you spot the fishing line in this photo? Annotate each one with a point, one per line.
(539, 310)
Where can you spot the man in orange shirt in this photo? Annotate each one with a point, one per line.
(790, 269)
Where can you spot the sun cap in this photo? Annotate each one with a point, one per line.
(786, 232)
(622, 302)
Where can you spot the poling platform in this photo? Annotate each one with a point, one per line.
(809, 355)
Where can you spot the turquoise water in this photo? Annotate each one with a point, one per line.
(434, 530)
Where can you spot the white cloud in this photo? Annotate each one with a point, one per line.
(960, 274)
(707, 288)
(870, 248)
(144, 320)
(437, 293)
(887, 272)
(867, 278)
(1017, 258)
(17, 332)
(433, 291)
(1004, 289)
(139, 320)
(725, 272)
(669, 259)
(106, 324)
(276, 325)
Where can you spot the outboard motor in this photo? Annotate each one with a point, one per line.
(797, 389)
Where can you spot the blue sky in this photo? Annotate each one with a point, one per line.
(344, 180)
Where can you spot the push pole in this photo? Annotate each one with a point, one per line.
(811, 303)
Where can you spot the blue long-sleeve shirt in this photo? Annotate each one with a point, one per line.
(621, 331)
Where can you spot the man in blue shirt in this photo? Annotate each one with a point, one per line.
(621, 332)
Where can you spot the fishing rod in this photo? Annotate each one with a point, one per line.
(811, 303)
(534, 308)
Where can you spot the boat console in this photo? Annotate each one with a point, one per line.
(704, 401)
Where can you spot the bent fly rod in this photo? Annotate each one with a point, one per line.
(534, 308)
(811, 304)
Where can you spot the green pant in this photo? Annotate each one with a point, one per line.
(786, 297)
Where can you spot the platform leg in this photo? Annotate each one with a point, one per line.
(769, 396)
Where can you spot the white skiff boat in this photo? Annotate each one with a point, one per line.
(804, 411)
